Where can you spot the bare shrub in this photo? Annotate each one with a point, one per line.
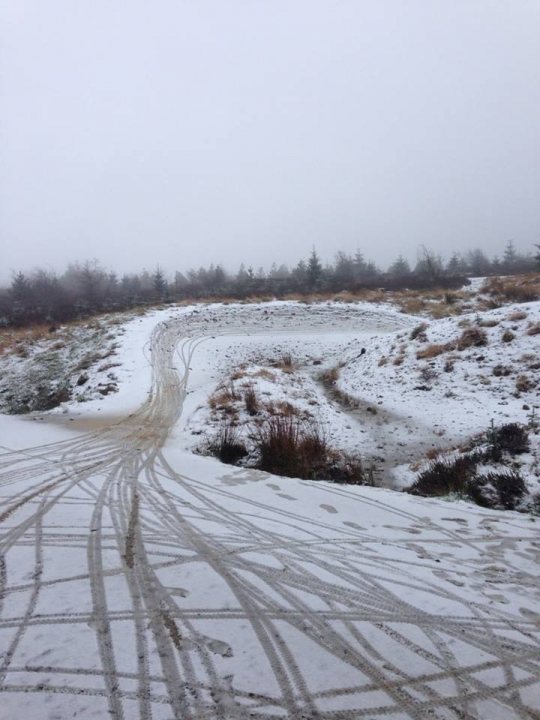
(517, 315)
(534, 329)
(382, 360)
(472, 337)
(488, 323)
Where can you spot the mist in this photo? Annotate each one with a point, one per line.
(185, 133)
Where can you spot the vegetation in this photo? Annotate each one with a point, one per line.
(463, 475)
(83, 290)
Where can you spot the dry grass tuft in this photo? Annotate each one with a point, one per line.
(330, 377)
(434, 350)
(472, 337)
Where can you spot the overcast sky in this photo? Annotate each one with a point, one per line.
(181, 133)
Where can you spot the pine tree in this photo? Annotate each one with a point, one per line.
(159, 284)
(314, 270)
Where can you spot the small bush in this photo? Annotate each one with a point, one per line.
(445, 476)
(507, 336)
(524, 384)
(330, 377)
(418, 330)
(286, 363)
(227, 445)
(290, 447)
(497, 490)
(501, 370)
(472, 337)
(427, 373)
(287, 449)
(511, 437)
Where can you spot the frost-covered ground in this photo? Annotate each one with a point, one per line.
(142, 581)
(388, 403)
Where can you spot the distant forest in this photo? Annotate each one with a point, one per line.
(87, 289)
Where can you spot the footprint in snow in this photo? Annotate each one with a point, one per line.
(328, 508)
(287, 497)
(219, 647)
(273, 486)
(354, 525)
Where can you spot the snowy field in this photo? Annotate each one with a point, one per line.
(141, 580)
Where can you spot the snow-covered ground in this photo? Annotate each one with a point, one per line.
(140, 580)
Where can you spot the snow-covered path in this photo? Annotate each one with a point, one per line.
(140, 581)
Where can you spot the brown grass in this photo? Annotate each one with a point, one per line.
(265, 375)
(517, 315)
(524, 383)
(472, 337)
(330, 377)
(434, 350)
(251, 401)
(518, 288)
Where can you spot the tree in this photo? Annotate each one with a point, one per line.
(399, 267)
(159, 284)
(314, 270)
(510, 256)
(429, 264)
(344, 269)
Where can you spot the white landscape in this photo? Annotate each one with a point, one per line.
(143, 579)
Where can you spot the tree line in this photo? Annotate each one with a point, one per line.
(85, 289)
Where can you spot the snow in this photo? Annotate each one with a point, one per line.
(249, 595)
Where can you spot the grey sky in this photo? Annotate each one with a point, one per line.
(181, 133)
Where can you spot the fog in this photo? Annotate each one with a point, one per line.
(183, 133)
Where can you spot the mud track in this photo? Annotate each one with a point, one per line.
(285, 616)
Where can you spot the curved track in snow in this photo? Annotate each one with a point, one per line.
(130, 588)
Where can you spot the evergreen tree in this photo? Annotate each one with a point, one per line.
(314, 270)
(159, 284)
(399, 267)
